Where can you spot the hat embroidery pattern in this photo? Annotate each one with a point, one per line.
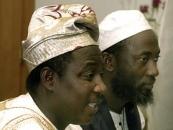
(59, 11)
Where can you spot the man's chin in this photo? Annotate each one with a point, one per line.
(145, 97)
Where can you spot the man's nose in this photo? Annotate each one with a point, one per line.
(100, 86)
(152, 69)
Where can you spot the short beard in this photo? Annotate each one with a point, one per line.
(125, 88)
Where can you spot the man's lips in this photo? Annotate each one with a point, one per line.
(150, 81)
(149, 84)
(95, 103)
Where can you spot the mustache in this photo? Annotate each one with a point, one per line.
(97, 97)
(149, 80)
(131, 88)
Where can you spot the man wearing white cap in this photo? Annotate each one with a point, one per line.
(130, 52)
(64, 62)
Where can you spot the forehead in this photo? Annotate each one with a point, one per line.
(145, 41)
(89, 55)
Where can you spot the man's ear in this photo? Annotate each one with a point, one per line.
(109, 61)
(48, 78)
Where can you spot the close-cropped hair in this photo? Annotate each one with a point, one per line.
(116, 48)
(57, 64)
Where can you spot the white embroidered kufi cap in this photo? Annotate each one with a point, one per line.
(120, 25)
(57, 29)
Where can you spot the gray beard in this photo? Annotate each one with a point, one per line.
(124, 88)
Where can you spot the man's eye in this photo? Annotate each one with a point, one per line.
(88, 76)
(156, 58)
(144, 59)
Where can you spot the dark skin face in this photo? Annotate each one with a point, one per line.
(74, 97)
(134, 69)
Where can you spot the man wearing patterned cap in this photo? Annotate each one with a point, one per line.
(64, 62)
(130, 53)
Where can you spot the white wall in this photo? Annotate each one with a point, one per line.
(162, 110)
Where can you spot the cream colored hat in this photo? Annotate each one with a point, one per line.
(57, 29)
(120, 25)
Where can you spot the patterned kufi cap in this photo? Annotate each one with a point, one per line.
(57, 29)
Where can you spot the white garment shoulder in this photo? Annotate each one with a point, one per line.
(21, 113)
(141, 118)
(28, 124)
(73, 127)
